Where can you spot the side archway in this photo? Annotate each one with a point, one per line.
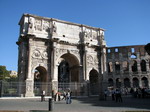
(40, 80)
(94, 82)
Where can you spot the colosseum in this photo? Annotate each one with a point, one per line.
(128, 67)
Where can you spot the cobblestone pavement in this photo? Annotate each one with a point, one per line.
(78, 105)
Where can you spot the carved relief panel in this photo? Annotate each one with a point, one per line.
(39, 58)
(90, 34)
(36, 26)
(92, 61)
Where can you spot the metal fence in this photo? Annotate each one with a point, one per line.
(77, 89)
(10, 89)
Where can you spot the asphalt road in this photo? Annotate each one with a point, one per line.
(78, 105)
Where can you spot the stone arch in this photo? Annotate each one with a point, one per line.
(117, 66)
(125, 66)
(63, 72)
(118, 82)
(127, 82)
(94, 82)
(110, 82)
(110, 67)
(134, 66)
(36, 65)
(72, 65)
(143, 66)
(90, 69)
(40, 80)
(60, 52)
(144, 81)
(135, 82)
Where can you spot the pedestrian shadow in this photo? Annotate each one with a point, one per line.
(128, 102)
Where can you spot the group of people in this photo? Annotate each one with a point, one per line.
(115, 94)
(65, 95)
(140, 92)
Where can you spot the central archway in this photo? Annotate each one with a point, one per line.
(63, 72)
(68, 71)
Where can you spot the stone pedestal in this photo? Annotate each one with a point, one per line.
(29, 88)
(54, 87)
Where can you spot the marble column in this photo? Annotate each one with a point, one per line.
(54, 68)
(29, 81)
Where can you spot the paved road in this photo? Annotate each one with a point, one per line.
(78, 105)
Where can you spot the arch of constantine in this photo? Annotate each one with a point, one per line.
(54, 52)
(56, 55)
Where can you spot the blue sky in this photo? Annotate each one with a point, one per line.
(127, 22)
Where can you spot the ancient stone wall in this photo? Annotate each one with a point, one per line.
(128, 66)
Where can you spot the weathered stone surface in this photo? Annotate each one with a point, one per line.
(44, 43)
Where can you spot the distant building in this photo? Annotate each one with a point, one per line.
(13, 73)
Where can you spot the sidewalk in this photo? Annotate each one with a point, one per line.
(78, 105)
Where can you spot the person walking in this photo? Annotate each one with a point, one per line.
(68, 97)
(64, 95)
(113, 94)
(43, 96)
(118, 96)
(105, 94)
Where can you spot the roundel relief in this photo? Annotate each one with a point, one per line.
(36, 54)
(45, 55)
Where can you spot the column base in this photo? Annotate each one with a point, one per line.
(29, 88)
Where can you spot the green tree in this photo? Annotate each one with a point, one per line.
(13, 79)
(3, 72)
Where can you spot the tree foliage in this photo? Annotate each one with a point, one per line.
(3, 72)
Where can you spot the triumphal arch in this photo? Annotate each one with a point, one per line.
(53, 51)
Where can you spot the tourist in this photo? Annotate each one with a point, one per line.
(105, 94)
(118, 95)
(57, 96)
(43, 96)
(68, 97)
(64, 95)
(113, 94)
